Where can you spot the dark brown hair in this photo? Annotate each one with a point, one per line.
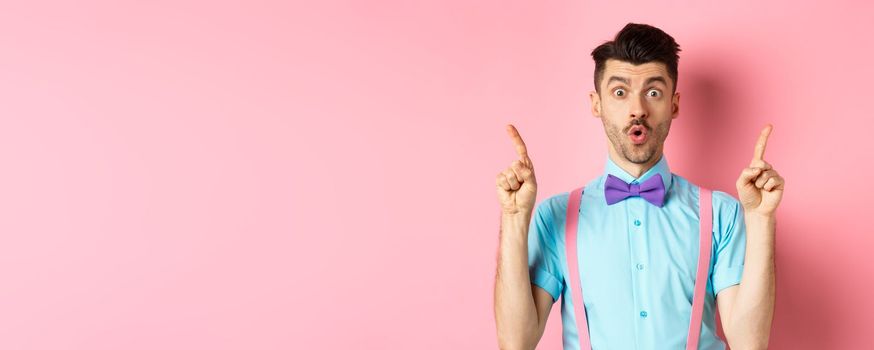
(638, 44)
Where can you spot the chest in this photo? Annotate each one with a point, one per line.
(634, 246)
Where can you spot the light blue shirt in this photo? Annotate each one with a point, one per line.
(638, 262)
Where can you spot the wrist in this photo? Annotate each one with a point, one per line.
(517, 212)
(761, 228)
(515, 224)
(521, 216)
(757, 216)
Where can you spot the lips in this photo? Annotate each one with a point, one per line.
(638, 134)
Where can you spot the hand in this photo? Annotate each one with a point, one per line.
(759, 186)
(517, 187)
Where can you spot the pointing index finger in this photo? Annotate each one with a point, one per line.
(517, 141)
(763, 141)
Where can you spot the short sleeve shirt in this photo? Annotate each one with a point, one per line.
(637, 262)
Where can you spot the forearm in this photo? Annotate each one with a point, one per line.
(753, 309)
(515, 312)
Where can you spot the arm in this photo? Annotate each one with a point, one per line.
(749, 307)
(521, 308)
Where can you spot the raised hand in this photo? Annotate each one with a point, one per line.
(517, 187)
(759, 186)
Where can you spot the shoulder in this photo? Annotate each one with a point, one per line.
(728, 219)
(727, 211)
(726, 206)
(722, 201)
(553, 207)
(551, 212)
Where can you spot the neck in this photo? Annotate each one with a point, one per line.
(634, 169)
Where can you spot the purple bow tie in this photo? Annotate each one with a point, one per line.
(653, 190)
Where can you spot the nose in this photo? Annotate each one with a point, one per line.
(638, 108)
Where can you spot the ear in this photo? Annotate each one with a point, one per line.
(596, 103)
(675, 105)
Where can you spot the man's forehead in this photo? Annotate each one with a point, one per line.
(634, 72)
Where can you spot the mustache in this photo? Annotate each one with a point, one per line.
(635, 122)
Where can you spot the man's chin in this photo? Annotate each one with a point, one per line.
(639, 156)
(639, 161)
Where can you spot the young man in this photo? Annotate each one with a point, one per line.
(638, 250)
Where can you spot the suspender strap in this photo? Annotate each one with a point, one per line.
(570, 234)
(706, 229)
(705, 217)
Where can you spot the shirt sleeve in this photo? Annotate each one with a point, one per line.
(543, 260)
(729, 248)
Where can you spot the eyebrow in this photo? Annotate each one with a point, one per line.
(648, 81)
(655, 79)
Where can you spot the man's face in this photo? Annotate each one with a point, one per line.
(636, 107)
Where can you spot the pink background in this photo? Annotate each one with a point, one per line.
(213, 175)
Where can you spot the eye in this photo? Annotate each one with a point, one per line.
(619, 92)
(654, 93)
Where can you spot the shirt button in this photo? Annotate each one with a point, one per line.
(643, 314)
(640, 266)
(636, 222)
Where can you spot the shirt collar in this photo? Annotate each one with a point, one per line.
(661, 167)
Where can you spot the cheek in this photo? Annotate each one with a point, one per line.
(614, 113)
(613, 108)
(660, 113)
(663, 128)
(664, 106)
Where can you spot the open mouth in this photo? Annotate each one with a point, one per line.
(638, 134)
